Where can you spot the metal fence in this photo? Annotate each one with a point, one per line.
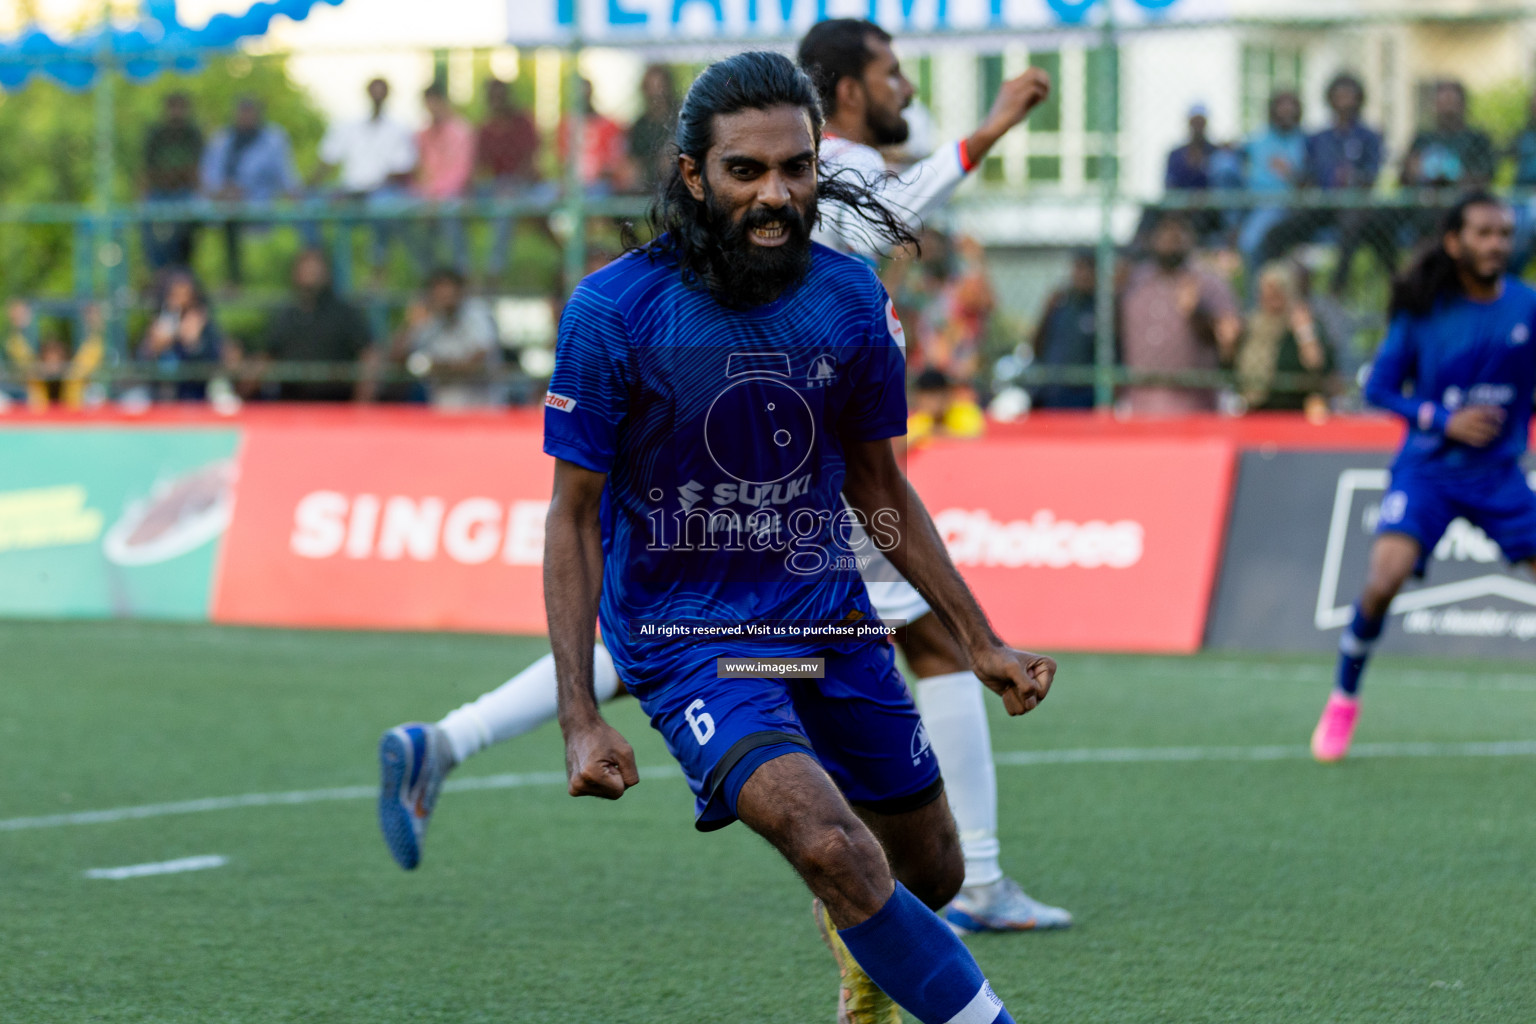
(1185, 122)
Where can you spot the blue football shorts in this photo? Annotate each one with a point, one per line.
(859, 723)
(1422, 504)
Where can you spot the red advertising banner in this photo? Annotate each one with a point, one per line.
(1083, 544)
(388, 526)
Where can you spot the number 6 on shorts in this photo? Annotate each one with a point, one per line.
(703, 725)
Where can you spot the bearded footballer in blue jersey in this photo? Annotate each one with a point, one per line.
(1459, 364)
(713, 394)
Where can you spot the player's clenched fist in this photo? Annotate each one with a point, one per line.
(1476, 425)
(1022, 679)
(599, 762)
(1018, 96)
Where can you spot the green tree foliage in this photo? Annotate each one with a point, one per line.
(47, 151)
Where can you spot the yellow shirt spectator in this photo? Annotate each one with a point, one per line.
(51, 375)
(939, 411)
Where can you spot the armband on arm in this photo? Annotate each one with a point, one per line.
(966, 163)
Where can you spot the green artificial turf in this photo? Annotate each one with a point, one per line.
(1394, 888)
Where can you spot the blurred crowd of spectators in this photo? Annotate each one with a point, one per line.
(1218, 278)
(382, 165)
(1318, 180)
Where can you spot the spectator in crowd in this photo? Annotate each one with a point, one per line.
(1347, 155)
(506, 151)
(316, 325)
(946, 297)
(1189, 165)
(452, 343)
(182, 334)
(173, 151)
(1283, 339)
(1275, 162)
(603, 166)
(445, 152)
(250, 161)
(650, 137)
(1194, 167)
(51, 373)
(1522, 151)
(1452, 155)
(940, 409)
(373, 160)
(1067, 335)
(1449, 157)
(1176, 317)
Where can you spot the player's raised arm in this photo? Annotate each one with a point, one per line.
(1015, 99)
(863, 93)
(877, 489)
(598, 761)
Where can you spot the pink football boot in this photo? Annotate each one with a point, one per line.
(1330, 740)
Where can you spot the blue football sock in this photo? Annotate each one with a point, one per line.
(1355, 645)
(917, 961)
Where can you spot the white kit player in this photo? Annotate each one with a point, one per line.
(863, 92)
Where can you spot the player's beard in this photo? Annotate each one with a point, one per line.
(1485, 272)
(888, 129)
(750, 274)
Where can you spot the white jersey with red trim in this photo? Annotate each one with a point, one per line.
(912, 195)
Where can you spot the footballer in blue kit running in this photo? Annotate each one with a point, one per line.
(1459, 364)
(714, 392)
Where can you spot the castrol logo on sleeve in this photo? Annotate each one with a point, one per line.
(560, 402)
(893, 324)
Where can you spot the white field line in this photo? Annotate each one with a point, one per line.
(1385, 677)
(1188, 755)
(164, 867)
(1015, 758)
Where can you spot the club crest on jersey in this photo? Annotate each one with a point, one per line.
(1520, 335)
(560, 402)
(823, 371)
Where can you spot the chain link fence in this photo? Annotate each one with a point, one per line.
(1201, 217)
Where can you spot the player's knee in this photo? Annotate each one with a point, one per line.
(845, 858)
(1380, 588)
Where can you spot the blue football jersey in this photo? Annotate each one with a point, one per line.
(722, 433)
(1462, 353)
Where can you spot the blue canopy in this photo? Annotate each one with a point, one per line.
(1075, 12)
(158, 42)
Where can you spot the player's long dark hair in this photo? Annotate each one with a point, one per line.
(1432, 275)
(756, 80)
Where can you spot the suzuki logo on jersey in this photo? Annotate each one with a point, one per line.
(760, 495)
(560, 402)
(823, 372)
(689, 494)
(1491, 394)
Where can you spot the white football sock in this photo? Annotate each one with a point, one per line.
(519, 705)
(955, 715)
